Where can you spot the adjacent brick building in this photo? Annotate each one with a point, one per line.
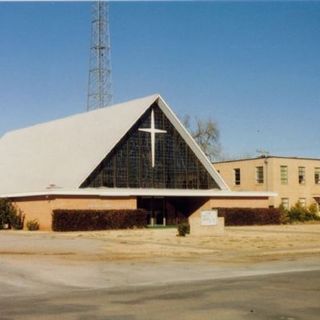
(293, 179)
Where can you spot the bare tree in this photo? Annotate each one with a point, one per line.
(206, 133)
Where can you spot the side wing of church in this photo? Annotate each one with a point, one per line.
(127, 156)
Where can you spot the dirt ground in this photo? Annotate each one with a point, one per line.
(238, 244)
(37, 262)
(252, 243)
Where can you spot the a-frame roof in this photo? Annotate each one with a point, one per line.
(62, 153)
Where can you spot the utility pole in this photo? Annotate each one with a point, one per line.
(100, 83)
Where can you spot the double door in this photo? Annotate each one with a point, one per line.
(156, 210)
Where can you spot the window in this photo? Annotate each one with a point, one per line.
(317, 175)
(259, 174)
(302, 175)
(302, 202)
(237, 177)
(129, 164)
(284, 174)
(285, 202)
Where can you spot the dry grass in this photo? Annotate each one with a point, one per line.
(254, 243)
(238, 243)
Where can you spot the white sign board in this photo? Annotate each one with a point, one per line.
(209, 218)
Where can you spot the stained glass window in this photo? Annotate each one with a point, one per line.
(129, 164)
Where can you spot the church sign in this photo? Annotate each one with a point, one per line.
(209, 217)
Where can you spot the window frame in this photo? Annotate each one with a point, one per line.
(259, 174)
(285, 200)
(237, 176)
(317, 175)
(302, 175)
(284, 174)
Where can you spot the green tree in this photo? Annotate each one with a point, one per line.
(10, 216)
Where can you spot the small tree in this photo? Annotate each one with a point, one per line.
(17, 220)
(9, 215)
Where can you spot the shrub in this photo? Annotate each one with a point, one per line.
(313, 208)
(9, 215)
(89, 220)
(33, 225)
(298, 213)
(183, 229)
(17, 220)
(284, 215)
(5, 212)
(250, 216)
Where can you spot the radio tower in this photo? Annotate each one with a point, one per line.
(100, 84)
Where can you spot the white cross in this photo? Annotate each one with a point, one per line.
(153, 132)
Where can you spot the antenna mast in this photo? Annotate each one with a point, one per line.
(100, 83)
(263, 153)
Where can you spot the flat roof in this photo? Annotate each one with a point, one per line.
(268, 157)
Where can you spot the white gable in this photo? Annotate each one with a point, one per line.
(64, 152)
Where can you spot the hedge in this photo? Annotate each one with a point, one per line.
(250, 216)
(89, 220)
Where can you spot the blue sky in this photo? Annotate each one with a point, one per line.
(253, 67)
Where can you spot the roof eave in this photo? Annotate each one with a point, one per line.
(124, 192)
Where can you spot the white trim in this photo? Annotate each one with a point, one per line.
(123, 192)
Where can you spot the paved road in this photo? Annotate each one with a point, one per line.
(286, 296)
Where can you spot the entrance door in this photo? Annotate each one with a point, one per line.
(163, 211)
(156, 209)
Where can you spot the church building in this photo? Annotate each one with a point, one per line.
(130, 155)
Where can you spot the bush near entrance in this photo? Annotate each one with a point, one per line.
(89, 220)
(183, 229)
(250, 216)
(10, 217)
